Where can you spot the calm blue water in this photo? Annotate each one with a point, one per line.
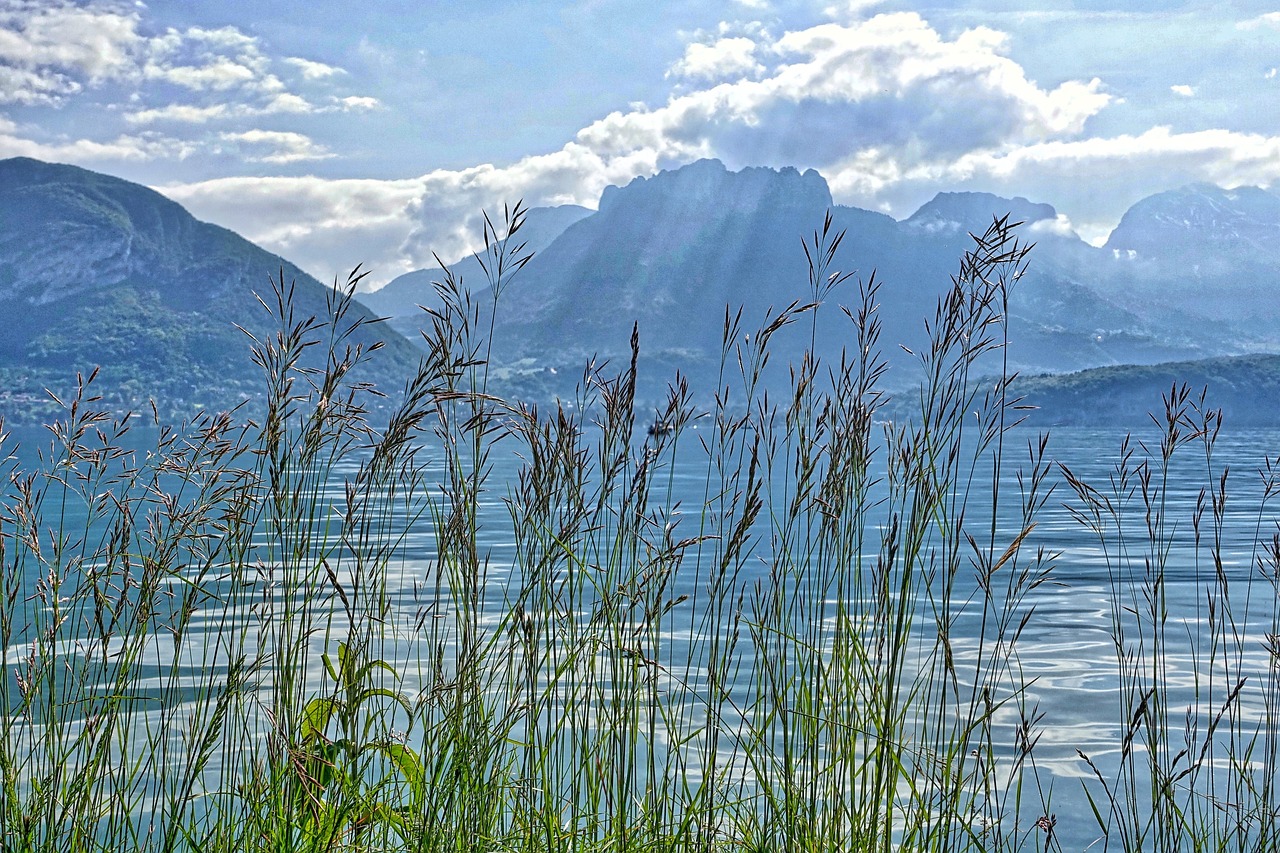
(1068, 650)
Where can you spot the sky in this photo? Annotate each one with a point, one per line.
(378, 133)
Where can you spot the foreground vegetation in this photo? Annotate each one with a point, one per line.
(214, 640)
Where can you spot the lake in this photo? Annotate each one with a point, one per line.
(1098, 584)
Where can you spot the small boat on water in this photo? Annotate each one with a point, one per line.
(661, 428)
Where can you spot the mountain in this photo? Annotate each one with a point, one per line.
(960, 213)
(1212, 250)
(402, 295)
(669, 252)
(100, 272)
(1202, 223)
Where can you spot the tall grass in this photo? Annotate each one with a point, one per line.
(1193, 776)
(215, 637)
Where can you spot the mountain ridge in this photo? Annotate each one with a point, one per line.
(96, 271)
(671, 250)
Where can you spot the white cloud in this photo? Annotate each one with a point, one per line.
(726, 58)
(123, 148)
(900, 57)
(280, 146)
(851, 9)
(184, 113)
(312, 70)
(217, 75)
(1068, 173)
(327, 226)
(1269, 19)
(287, 102)
(25, 86)
(98, 43)
(837, 90)
(1059, 226)
(281, 104)
(225, 38)
(1183, 90)
(358, 102)
(49, 49)
(1221, 156)
(67, 46)
(447, 214)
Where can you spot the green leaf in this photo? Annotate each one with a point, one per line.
(368, 668)
(325, 766)
(315, 718)
(386, 694)
(410, 767)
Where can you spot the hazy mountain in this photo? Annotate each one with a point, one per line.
(1202, 224)
(670, 251)
(98, 271)
(1214, 252)
(402, 295)
(960, 213)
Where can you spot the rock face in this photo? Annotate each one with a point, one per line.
(100, 272)
(669, 252)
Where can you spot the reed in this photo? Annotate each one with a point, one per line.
(215, 636)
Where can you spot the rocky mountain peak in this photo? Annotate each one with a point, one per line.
(961, 212)
(709, 184)
(1244, 221)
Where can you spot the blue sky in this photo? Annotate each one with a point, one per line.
(337, 133)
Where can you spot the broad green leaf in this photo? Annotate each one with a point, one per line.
(315, 718)
(410, 767)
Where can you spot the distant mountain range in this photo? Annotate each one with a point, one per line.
(1188, 274)
(98, 271)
